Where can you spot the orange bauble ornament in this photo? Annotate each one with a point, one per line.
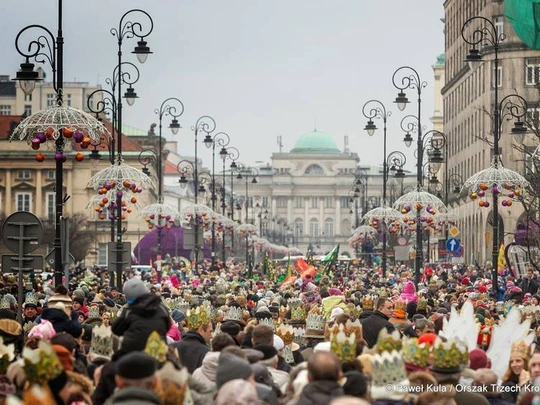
(68, 132)
(481, 203)
(483, 186)
(102, 217)
(418, 206)
(133, 200)
(79, 157)
(49, 132)
(40, 157)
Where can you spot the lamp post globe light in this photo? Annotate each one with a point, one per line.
(496, 179)
(59, 124)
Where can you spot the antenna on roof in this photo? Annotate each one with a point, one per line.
(280, 143)
(346, 144)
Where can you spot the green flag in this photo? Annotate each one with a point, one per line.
(332, 255)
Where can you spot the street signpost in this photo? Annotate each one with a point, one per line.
(452, 245)
(113, 248)
(22, 233)
(49, 259)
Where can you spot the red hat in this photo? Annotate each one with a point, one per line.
(428, 338)
(478, 359)
(482, 289)
(465, 281)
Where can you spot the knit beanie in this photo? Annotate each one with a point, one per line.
(478, 359)
(133, 289)
(231, 367)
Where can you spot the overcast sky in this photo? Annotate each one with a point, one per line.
(261, 68)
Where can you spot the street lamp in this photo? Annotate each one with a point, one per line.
(374, 109)
(248, 172)
(516, 107)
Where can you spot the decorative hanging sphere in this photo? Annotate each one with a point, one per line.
(126, 184)
(41, 136)
(473, 196)
(133, 200)
(517, 192)
(483, 186)
(481, 203)
(36, 143)
(40, 157)
(486, 204)
(49, 132)
(503, 203)
(102, 217)
(67, 132)
(495, 189)
(481, 193)
(78, 136)
(58, 156)
(79, 157)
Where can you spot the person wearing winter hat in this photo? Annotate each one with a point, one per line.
(58, 312)
(270, 360)
(477, 359)
(231, 367)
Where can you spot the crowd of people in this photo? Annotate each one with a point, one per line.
(348, 335)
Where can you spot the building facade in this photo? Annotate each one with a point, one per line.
(468, 105)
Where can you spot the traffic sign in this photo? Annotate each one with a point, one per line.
(113, 248)
(10, 264)
(50, 258)
(401, 241)
(453, 231)
(452, 245)
(31, 228)
(458, 253)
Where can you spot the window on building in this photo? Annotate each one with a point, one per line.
(344, 202)
(329, 227)
(498, 21)
(23, 175)
(24, 201)
(314, 170)
(50, 99)
(314, 227)
(264, 228)
(5, 110)
(532, 69)
(497, 77)
(314, 202)
(50, 205)
(264, 202)
(298, 227)
(102, 254)
(328, 202)
(28, 97)
(28, 110)
(298, 202)
(281, 202)
(68, 100)
(51, 175)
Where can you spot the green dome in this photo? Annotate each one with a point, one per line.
(315, 142)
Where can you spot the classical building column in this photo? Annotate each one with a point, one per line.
(306, 216)
(289, 210)
(9, 195)
(337, 221)
(41, 206)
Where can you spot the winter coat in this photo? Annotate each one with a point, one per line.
(134, 396)
(409, 292)
(206, 374)
(373, 325)
(320, 393)
(191, 350)
(138, 320)
(61, 322)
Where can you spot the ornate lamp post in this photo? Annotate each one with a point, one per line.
(495, 177)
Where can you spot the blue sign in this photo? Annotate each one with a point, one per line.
(452, 245)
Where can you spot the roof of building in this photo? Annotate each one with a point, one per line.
(315, 142)
(7, 122)
(441, 60)
(132, 131)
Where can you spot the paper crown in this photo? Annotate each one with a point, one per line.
(388, 369)
(268, 322)
(422, 303)
(400, 309)
(520, 349)
(356, 311)
(299, 336)
(368, 302)
(41, 365)
(343, 345)
(387, 342)
(182, 305)
(449, 357)
(283, 312)
(93, 313)
(169, 303)
(27, 327)
(234, 314)
(102, 341)
(294, 302)
(156, 348)
(415, 355)
(197, 317)
(315, 323)
(349, 328)
(7, 355)
(4, 303)
(286, 333)
(30, 299)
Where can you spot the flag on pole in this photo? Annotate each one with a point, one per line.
(330, 259)
(501, 261)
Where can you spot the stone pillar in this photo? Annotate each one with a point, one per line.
(306, 216)
(41, 206)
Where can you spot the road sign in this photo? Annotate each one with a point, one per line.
(401, 241)
(453, 231)
(32, 234)
(402, 253)
(10, 264)
(50, 258)
(452, 245)
(112, 252)
(458, 253)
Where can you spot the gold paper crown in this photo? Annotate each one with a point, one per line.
(102, 341)
(298, 313)
(315, 322)
(169, 303)
(382, 293)
(294, 302)
(197, 317)
(356, 311)
(449, 355)
(388, 342)
(93, 312)
(182, 305)
(283, 312)
(343, 346)
(387, 368)
(7, 354)
(400, 304)
(368, 302)
(299, 336)
(41, 365)
(414, 353)
(156, 347)
(520, 349)
(30, 299)
(27, 327)
(422, 303)
(4, 303)
(286, 333)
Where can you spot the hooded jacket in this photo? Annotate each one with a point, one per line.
(134, 396)
(319, 393)
(206, 373)
(61, 322)
(137, 321)
(191, 350)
